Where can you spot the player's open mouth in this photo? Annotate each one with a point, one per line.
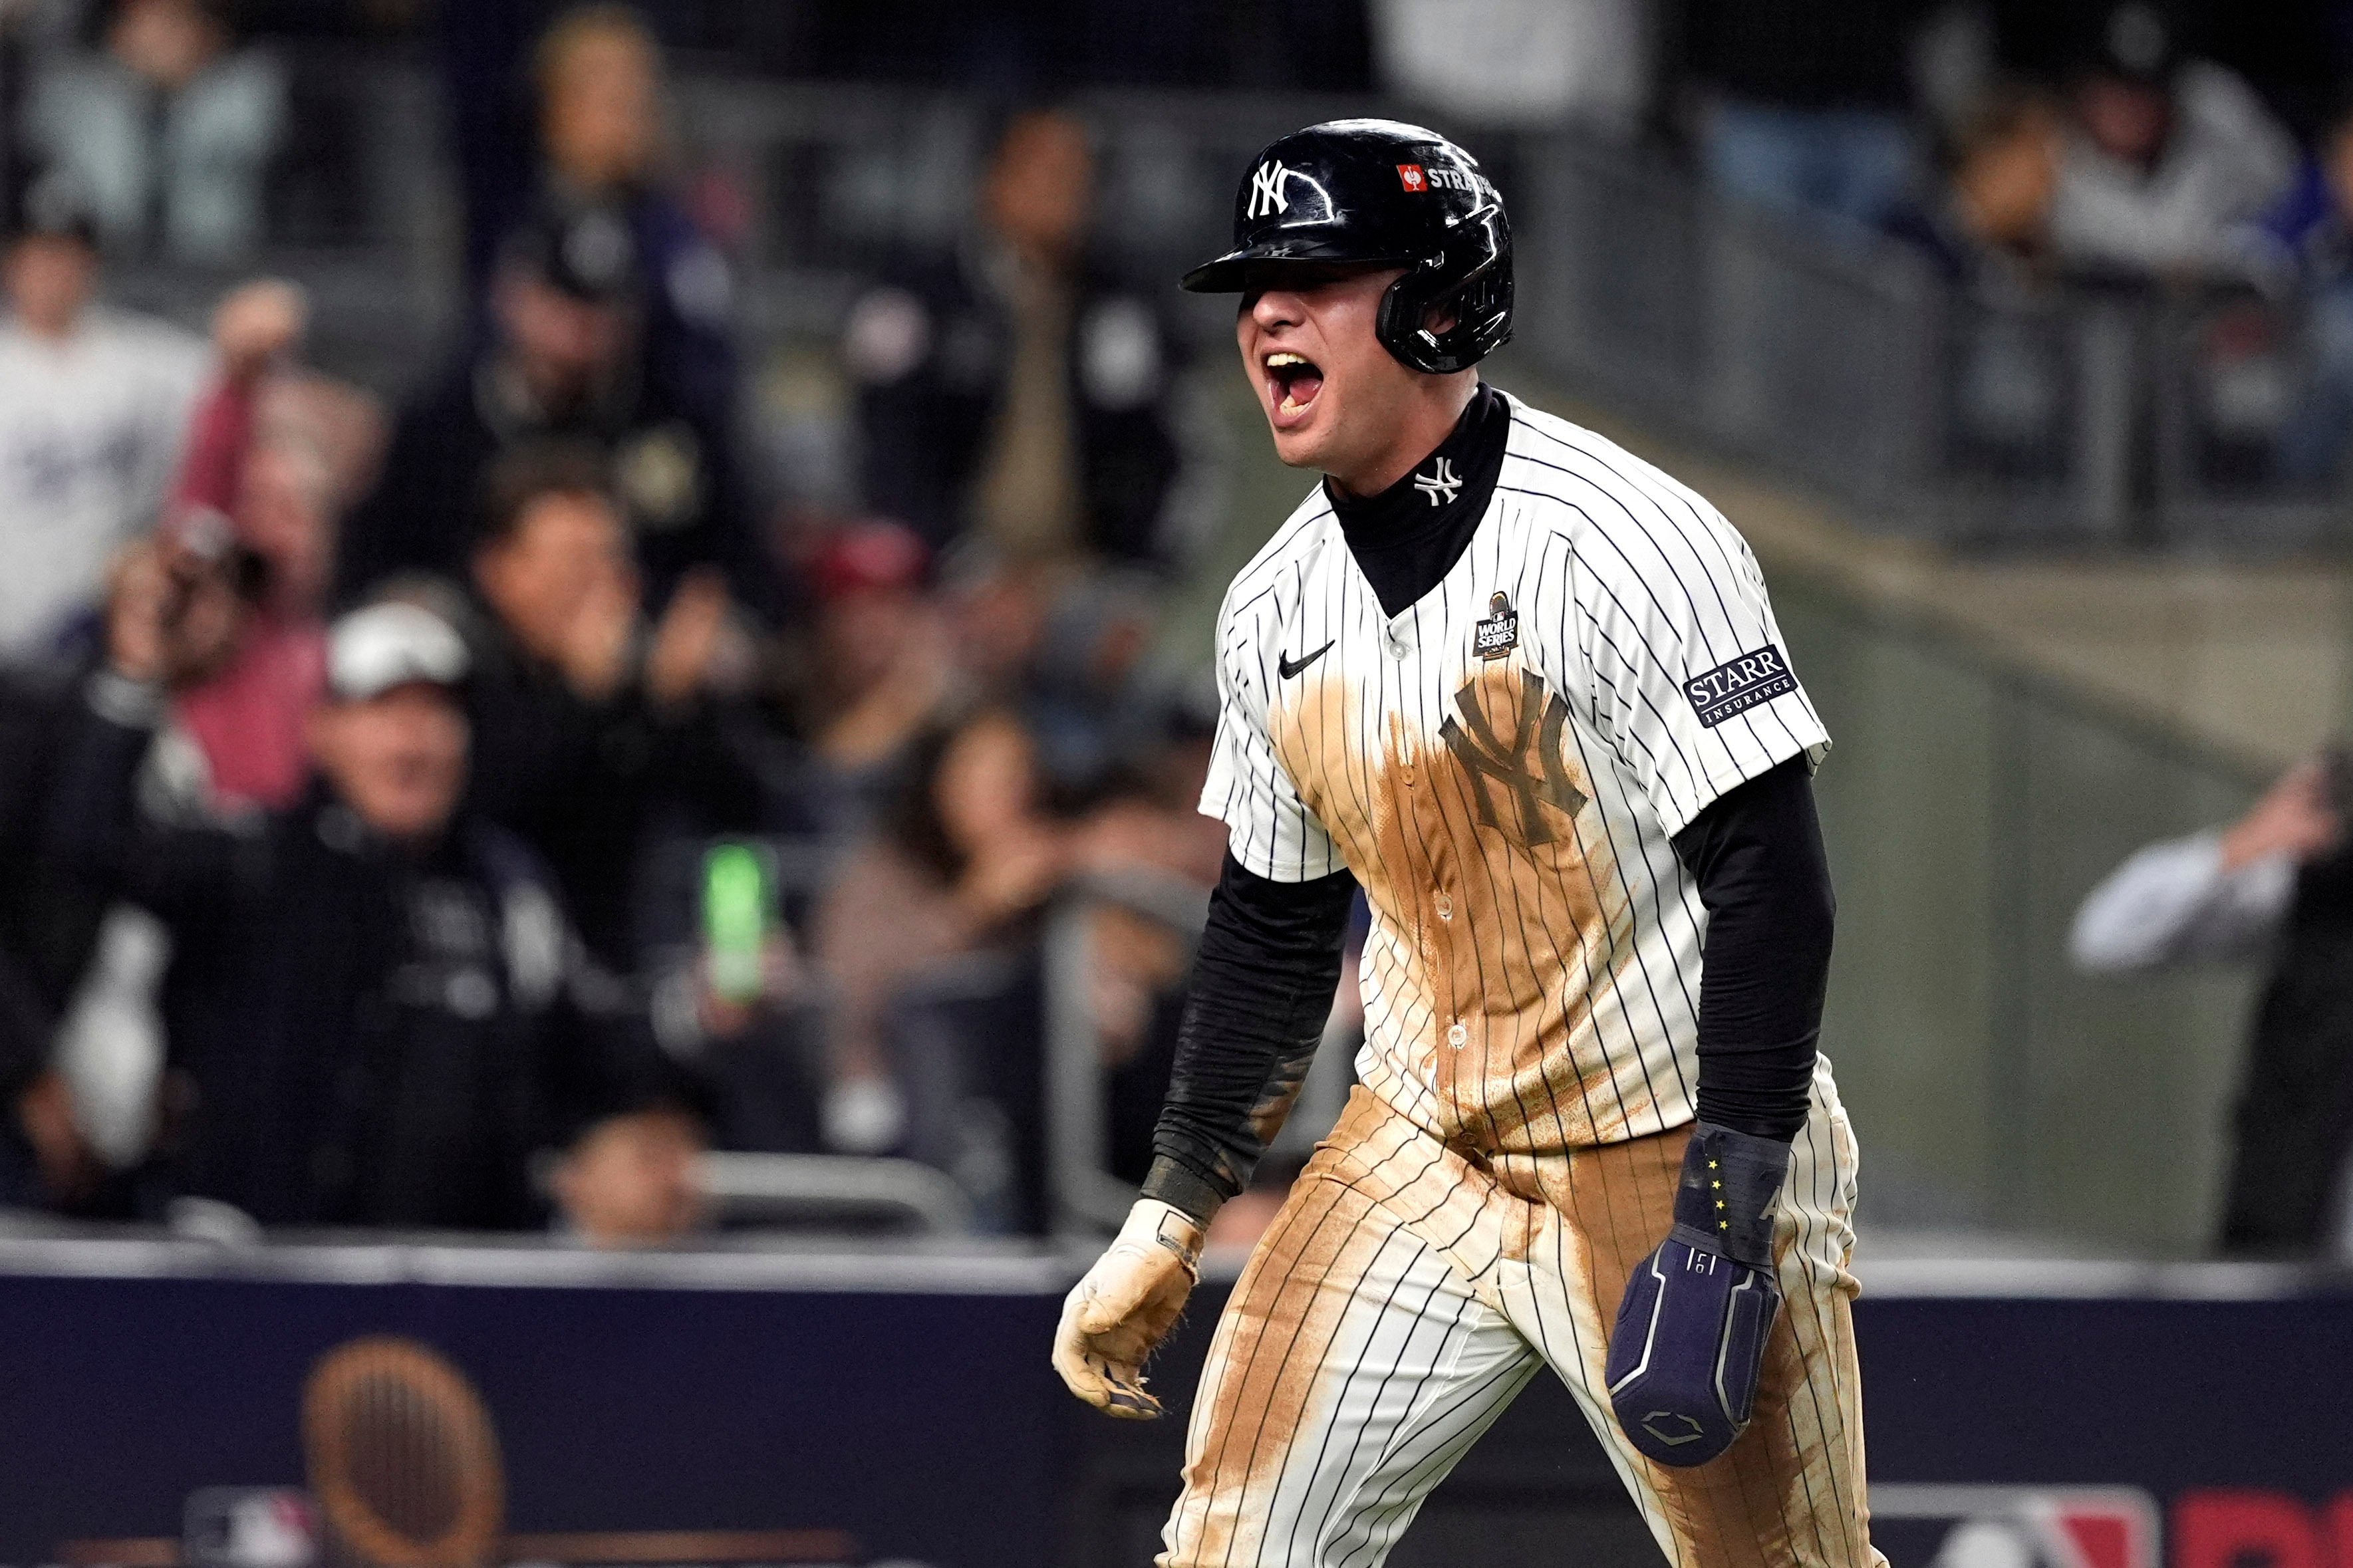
(1292, 381)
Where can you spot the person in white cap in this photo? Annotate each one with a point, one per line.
(376, 1011)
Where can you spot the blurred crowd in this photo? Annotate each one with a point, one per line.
(462, 813)
(2036, 156)
(464, 806)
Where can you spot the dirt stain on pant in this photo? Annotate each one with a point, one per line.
(1548, 1241)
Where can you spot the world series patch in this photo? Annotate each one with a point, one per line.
(1499, 634)
(1737, 684)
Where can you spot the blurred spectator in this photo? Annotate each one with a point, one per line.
(43, 1158)
(1807, 103)
(629, 1181)
(964, 852)
(752, 1047)
(998, 609)
(2278, 882)
(603, 138)
(93, 406)
(880, 662)
(1531, 63)
(1085, 697)
(2308, 246)
(573, 113)
(591, 727)
(236, 741)
(1012, 390)
(1148, 818)
(971, 1040)
(943, 996)
(170, 127)
(376, 1012)
(565, 363)
(1992, 212)
(2166, 156)
(80, 1041)
(1065, 651)
(267, 507)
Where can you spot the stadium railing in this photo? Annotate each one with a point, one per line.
(2071, 416)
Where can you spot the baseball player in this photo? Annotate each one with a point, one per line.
(1526, 692)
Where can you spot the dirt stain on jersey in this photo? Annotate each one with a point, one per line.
(1479, 847)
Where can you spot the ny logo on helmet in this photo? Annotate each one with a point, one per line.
(1266, 191)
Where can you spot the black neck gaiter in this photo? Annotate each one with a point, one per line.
(1408, 538)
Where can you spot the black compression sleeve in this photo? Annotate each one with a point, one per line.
(1757, 856)
(1262, 988)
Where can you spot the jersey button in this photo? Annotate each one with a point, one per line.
(1445, 908)
(1456, 1034)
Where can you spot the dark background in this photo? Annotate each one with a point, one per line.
(637, 1408)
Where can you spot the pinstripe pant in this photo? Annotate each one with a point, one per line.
(1404, 1296)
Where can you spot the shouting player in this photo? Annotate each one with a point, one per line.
(1526, 691)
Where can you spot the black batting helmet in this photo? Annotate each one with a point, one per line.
(1382, 192)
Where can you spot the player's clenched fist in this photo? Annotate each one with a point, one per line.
(1690, 1340)
(1116, 1317)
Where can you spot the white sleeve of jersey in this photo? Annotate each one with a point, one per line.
(1691, 679)
(1269, 829)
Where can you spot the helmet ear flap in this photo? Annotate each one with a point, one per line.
(1479, 286)
(1398, 324)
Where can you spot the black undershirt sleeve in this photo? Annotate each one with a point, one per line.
(1263, 986)
(1757, 854)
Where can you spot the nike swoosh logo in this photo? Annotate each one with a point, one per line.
(1288, 667)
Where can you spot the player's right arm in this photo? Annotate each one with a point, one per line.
(1263, 985)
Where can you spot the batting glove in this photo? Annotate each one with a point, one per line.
(1690, 1340)
(1116, 1317)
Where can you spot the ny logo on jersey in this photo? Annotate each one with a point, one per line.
(1541, 779)
(1442, 484)
(1266, 191)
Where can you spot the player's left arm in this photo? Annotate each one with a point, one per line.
(1757, 856)
(1691, 681)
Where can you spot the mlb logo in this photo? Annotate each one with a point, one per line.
(2016, 1527)
(249, 1527)
(1411, 176)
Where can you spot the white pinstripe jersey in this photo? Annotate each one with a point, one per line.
(1503, 766)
